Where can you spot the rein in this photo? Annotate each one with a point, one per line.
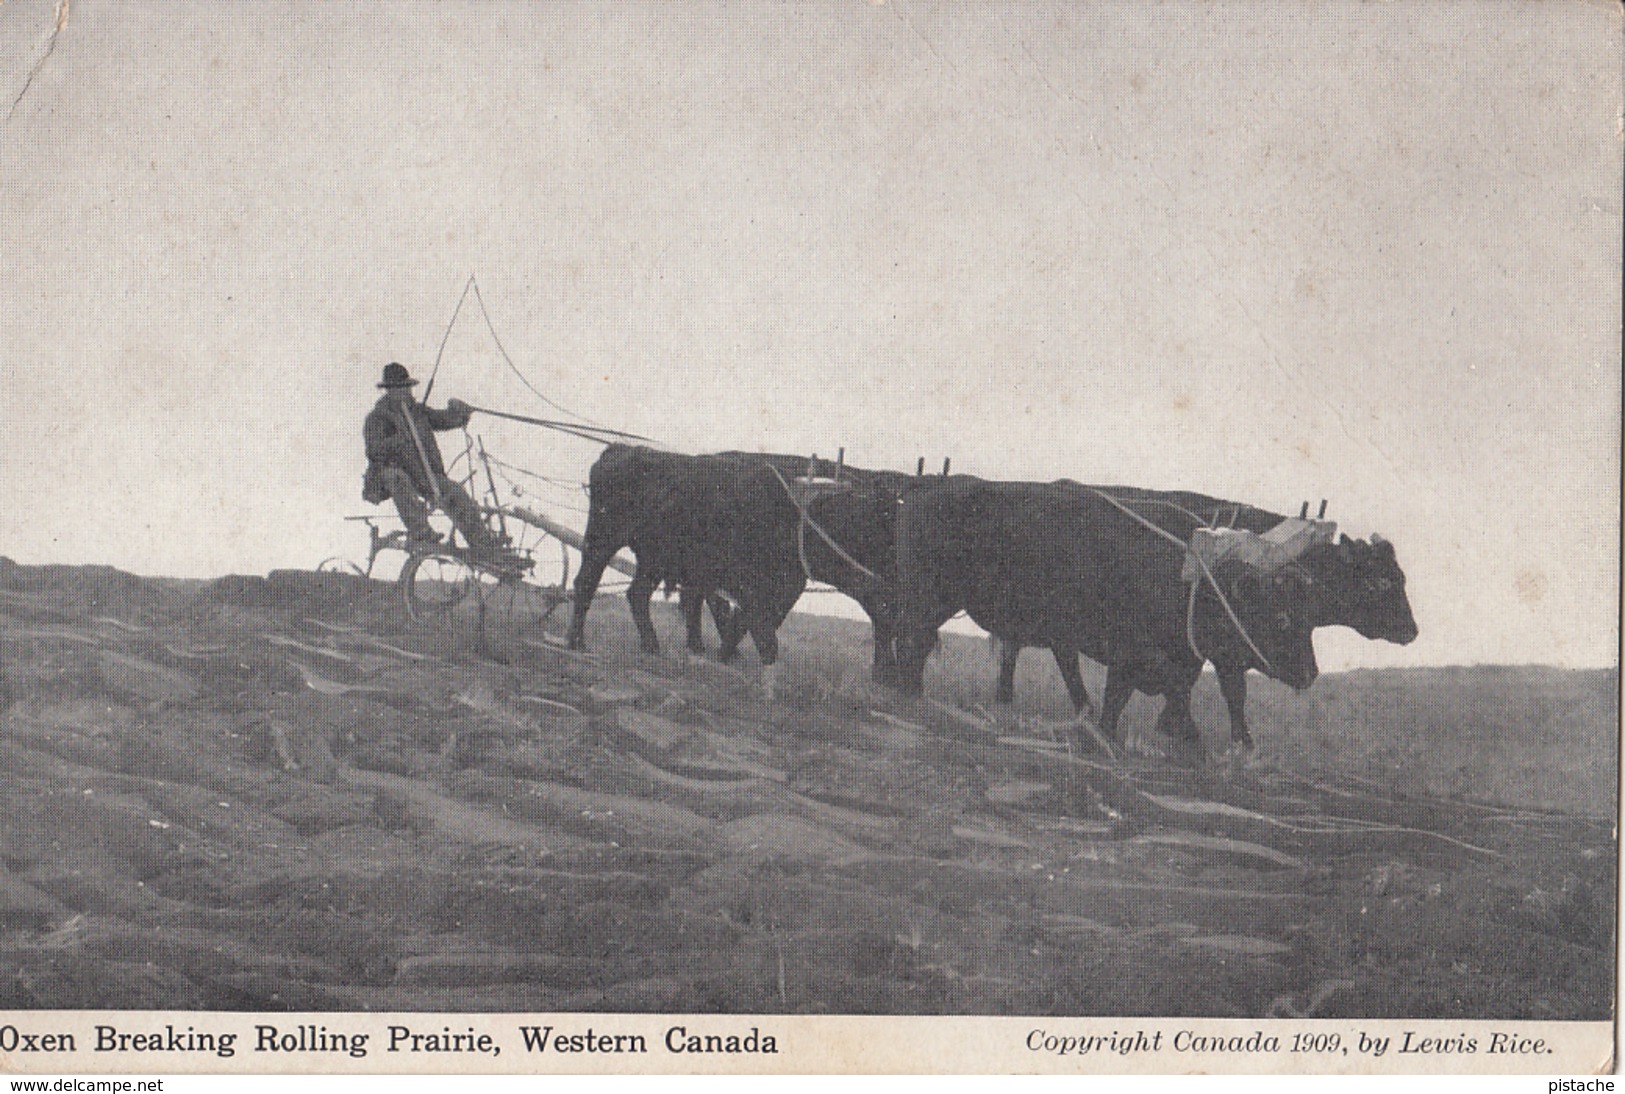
(446, 338)
(1190, 612)
(808, 522)
(597, 433)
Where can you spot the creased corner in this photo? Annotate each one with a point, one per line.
(50, 46)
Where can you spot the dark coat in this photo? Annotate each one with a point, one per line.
(389, 442)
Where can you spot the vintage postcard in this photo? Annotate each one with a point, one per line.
(890, 537)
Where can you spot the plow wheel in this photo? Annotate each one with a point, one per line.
(548, 587)
(552, 569)
(434, 585)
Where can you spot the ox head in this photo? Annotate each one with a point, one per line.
(1278, 611)
(1360, 585)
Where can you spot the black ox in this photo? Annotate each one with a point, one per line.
(856, 519)
(728, 523)
(1356, 584)
(1040, 564)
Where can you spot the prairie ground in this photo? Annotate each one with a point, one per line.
(282, 794)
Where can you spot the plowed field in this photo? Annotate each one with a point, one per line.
(279, 793)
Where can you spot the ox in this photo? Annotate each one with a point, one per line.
(728, 523)
(1357, 584)
(705, 522)
(1052, 565)
(859, 518)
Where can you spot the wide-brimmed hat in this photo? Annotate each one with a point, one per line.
(395, 375)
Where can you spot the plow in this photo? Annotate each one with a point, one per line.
(525, 578)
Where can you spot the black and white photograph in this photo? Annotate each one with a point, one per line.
(702, 535)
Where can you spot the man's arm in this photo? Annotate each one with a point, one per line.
(454, 416)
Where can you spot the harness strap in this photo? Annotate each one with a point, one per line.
(1190, 623)
(1224, 601)
(801, 546)
(423, 454)
(1201, 563)
(1176, 507)
(808, 522)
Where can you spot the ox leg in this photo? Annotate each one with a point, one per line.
(1176, 721)
(1118, 692)
(883, 670)
(593, 561)
(692, 605)
(883, 621)
(1066, 659)
(1139, 672)
(763, 635)
(637, 598)
(1233, 685)
(730, 623)
(725, 618)
(1009, 653)
(914, 644)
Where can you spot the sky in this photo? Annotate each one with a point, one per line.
(1270, 251)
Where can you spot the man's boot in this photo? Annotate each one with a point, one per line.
(415, 515)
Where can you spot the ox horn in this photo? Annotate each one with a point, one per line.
(1377, 539)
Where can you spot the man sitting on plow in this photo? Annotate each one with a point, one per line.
(404, 464)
